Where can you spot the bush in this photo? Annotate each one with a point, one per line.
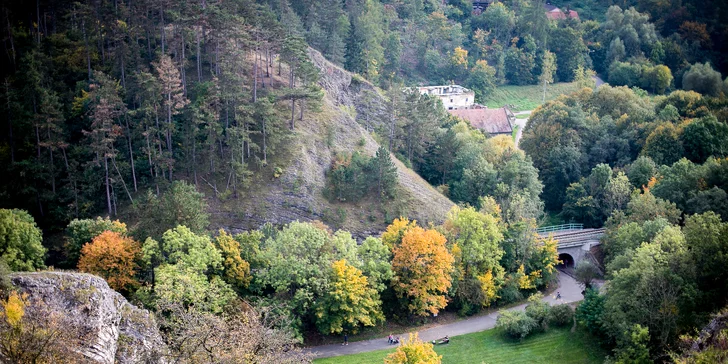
(515, 323)
(561, 315)
(538, 310)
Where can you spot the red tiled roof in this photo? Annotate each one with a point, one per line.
(491, 121)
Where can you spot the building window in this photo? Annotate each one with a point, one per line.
(449, 108)
(450, 100)
(466, 99)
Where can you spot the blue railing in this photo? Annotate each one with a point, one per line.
(555, 228)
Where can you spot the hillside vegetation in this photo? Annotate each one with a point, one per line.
(297, 194)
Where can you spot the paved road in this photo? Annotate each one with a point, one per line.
(570, 292)
(521, 124)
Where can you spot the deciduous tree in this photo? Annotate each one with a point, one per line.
(20, 241)
(114, 258)
(422, 267)
(414, 351)
(350, 302)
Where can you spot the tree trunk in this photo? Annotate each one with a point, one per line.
(182, 72)
(113, 161)
(161, 15)
(255, 75)
(51, 164)
(131, 152)
(265, 147)
(106, 182)
(199, 61)
(88, 51)
(73, 182)
(293, 100)
(169, 132)
(194, 159)
(149, 157)
(11, 141)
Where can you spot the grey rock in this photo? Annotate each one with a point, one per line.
(118, 331)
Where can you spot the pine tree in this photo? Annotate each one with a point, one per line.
(173, 100)
(386, 173)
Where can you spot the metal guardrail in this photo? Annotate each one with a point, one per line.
(555, 228)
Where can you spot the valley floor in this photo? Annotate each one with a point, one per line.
(568, 287)
(558, 345)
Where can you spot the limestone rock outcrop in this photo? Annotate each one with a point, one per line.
(116, 331)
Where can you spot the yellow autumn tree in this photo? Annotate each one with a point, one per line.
(33, 332)
(237, 270)
(422, 266)
(113, 257)
(414, 351)
(350, 303)
(459, 58)
(395, 231)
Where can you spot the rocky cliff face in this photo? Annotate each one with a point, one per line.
(117, 331)
(350, 106)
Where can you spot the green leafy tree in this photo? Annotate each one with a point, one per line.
(548, 68)
(702, 78)
(476, 239)
(183, 247)
(350, 303)
(704, 138)
(181, 204)
(664, 144)
(481, 79)
(298, 261)
(176, 283)
(20, 241)
(636, 350)
(375, 262)
(641, 171)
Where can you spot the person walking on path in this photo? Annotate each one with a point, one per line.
(346, 339)
(389, 339)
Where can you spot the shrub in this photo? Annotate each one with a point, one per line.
(538, 310)
(515, 323)
(561, 315)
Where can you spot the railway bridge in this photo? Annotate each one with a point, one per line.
(574, 242)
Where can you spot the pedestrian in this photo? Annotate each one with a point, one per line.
(390, 339)
(558, 295)
(346, 339)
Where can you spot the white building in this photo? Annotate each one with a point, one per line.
(453, 97)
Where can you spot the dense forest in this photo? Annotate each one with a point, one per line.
(126, 122)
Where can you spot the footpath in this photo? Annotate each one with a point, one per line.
(570, 292)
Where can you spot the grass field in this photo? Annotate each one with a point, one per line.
(491, 347)
(526, 97)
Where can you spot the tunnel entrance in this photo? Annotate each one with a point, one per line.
(567, 261)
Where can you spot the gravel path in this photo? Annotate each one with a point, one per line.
(570, 292)
(521, 124)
